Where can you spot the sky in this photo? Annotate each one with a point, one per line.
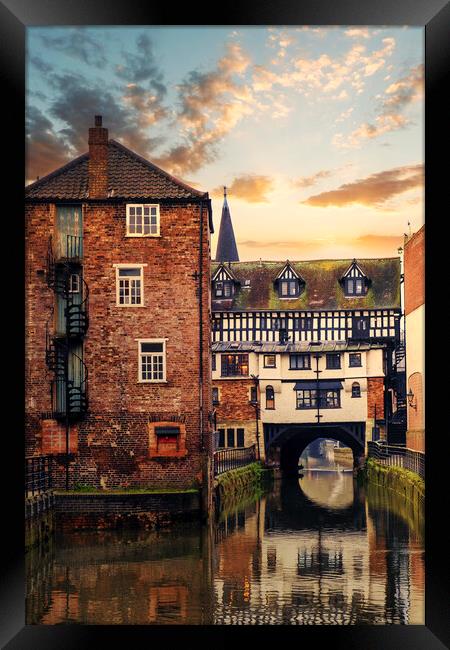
(317, 132)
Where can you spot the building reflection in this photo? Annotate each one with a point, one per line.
(287, 558)
(312, 562)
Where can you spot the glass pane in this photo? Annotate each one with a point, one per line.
(129, 272)
(151, 347)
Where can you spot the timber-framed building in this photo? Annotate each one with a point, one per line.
(306, 349)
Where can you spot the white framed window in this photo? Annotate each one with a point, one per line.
(74, 283)
(142, 220)
(152, 360)
(129, 285)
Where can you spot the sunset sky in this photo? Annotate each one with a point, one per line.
(317, 132)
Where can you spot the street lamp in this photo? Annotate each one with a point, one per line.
(410, 395)
(255, 405)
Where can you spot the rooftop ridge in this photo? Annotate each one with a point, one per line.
(152, 165)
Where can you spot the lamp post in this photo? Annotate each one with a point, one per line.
(410, 395)
(255, 405)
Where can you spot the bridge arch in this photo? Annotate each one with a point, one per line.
(286, 443)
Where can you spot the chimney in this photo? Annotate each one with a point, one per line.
(98, 160)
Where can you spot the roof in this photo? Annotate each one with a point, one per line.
(299, 346)
(129, 177)
(226, 250)
(322, 289)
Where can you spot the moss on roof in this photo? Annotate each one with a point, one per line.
(322, 289)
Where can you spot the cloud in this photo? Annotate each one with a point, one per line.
(373, 190)
(75, 102)
(211, 104)
(309, 181)
(357, 32)
(78, 44)
(399, 96)
(249, 187)
(45, 150)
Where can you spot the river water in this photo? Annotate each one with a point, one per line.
(317, 550)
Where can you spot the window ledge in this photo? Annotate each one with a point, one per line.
(152, 381)
(121, 306)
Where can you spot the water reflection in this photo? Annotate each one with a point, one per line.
(294, 556)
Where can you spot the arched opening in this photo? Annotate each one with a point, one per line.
(327, 454)
(286, 447)
(270, 398)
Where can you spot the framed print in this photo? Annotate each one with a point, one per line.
(221, 398)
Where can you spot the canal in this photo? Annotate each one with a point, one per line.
(320, 549)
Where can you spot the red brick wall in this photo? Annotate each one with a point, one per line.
(375, 397)
(98, 163)
(414, 270)
(113, 443)
(234, 396)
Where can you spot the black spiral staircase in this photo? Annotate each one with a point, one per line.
(69, 386)
(397, 424)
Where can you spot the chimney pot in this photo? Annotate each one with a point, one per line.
(98, 120)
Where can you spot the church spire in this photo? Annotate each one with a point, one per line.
(226, 245)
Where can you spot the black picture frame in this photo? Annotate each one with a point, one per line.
(15, 17)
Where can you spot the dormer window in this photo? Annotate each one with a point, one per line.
(223, 289)
(355, 283)
(288, 282)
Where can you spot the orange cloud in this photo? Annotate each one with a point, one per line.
(373, 190)
(250, 188)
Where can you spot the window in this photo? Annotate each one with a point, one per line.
(279, 323)
(354, 360)
(130, 285)
(234, 365)
(356, 389)
(230, 437)
(288, 288)
(240, 437)
(354, 286)
(143, 220)
(152, 366)
(333, 361)
(263, 323)
(223, 289)
(270, 361)
(213, 362)
(216, 324)
(221, 438)
(215, 395)
(253, 394)
(167, 439)
(74, 283)
(303, 324)
(299, 362)
(270, 398)
(322, 398)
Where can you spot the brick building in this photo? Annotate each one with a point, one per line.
(118, 321)
(414, 268)
(303, 350)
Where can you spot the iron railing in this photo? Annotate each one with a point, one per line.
(397, 456)
(38, 475)
(226, 459)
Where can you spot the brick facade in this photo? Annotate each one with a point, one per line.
(113, 446)
(414, 259)
(375, 397)
(234, 400)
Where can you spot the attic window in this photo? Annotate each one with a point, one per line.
(223, 289)
(355, 287)
(288, 288)
(246, 284)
